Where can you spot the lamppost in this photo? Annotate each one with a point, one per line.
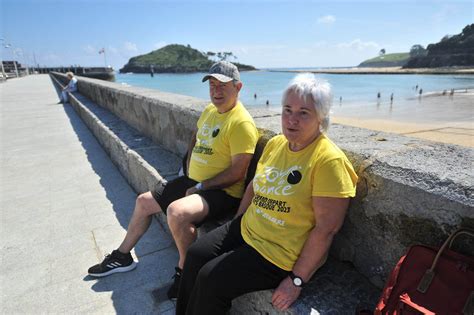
(4, 76)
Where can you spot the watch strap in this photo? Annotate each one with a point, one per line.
(293, 277)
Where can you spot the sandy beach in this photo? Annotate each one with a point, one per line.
(387, 70)
(436, 117)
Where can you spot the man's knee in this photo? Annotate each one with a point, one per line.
(146, 204)
(176, 214)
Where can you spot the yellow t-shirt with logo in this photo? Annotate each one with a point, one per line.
(280, 216)
(219, 137)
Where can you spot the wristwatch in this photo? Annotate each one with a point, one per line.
(297, 281)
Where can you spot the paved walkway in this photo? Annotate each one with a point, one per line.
(63, 206)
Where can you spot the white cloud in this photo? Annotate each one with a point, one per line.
(89, 49)
(358, 44)
(113, 50)
(327, 19)
(319, 44)
(130, 47)
(253, 49)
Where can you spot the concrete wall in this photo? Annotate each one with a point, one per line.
(410, 191)
(166, 118)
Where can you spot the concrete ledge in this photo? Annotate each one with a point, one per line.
(142, 163)
(336, 288)
(155, 114)
(410, 190)
(127, 147)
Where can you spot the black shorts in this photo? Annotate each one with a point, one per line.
(221, 204)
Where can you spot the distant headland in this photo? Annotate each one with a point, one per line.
(177, 59)
(450, 51)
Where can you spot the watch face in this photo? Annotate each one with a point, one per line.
(297, 281)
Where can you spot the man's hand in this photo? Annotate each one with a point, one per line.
(191, 190)
(285, 294)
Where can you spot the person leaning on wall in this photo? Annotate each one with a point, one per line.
(70, 87)
(220, 152)
(288, 216)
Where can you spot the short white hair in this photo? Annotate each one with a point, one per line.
(315, 91)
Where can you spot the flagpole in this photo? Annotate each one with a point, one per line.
(105, 59)
(102, 51)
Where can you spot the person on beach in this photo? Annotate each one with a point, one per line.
(70, 87)
(288, 216)
(220, 152)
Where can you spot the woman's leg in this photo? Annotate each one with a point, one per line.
(64, 97)
(215, 243)
(230, 275)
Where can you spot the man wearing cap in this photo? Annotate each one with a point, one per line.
(220, 152)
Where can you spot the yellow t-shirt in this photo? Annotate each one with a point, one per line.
(219, 137)
(280, 216)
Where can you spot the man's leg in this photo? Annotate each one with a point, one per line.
(121, 260)
(145, 207)
(183, 215)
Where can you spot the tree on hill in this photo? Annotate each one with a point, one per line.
(417, 50)
(382, 52)
(221, 55)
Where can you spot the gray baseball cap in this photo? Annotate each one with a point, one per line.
(223, 71)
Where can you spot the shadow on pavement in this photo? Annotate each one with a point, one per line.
(144, 289)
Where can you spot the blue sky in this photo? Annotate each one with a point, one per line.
(260, 33)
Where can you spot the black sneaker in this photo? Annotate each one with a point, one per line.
(112, 263)
(173, 290)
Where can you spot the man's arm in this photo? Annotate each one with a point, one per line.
(329, 214)
(229, 176)
(190, 150)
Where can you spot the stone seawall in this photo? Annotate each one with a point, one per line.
(410, 190)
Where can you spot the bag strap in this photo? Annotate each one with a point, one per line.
(429, 274)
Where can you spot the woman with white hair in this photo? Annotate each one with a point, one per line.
(287, 218)
(70, 87)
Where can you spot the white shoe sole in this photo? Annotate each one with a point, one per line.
(132, 266)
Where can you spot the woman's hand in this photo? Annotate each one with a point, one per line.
(285, 294)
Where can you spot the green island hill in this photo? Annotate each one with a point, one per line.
(387, 60)
(455, 51)
(176, 59)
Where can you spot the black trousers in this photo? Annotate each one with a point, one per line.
(219, 267)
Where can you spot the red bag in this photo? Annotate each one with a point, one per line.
(430, 281)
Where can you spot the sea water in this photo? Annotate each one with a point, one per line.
(351, 90)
